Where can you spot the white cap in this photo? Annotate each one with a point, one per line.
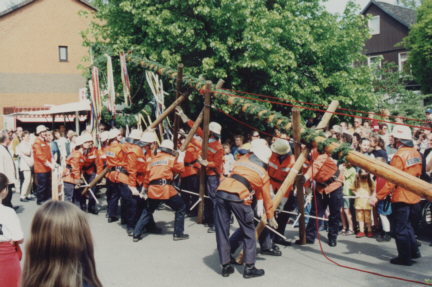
(281, 147)
(104, 136)
(40, 129)
(261, 150)
(149, 137)
(168, 144)
(135, 134)
(337, 129)
(86, 138)
(113, 133)
(215, 128)
(402, 132)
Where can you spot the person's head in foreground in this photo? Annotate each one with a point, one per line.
(59, 252)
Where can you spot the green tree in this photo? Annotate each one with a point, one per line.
(413, 4)
(287, 48)
(419, 43)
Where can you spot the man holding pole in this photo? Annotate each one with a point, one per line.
(73, 172)
(42, 165)
(90, 169)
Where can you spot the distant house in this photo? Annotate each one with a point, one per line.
(40, 51)
(388, 24)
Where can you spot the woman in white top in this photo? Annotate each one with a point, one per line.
(24, 151)
(11, 236)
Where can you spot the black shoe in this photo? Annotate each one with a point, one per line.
(39, 202)
(275, 247)
(227, 269)
(112, 219)
(332, 242)
(23, 199)
(136, 238)
(130, 232)
(400, 261)
(251, 271)
(211, 229)
(417, 255)
(385, 237)
(271, 252)
(298, 242)
(281, 241)
(154, 230)
(29, 198)
(183, 236)
(94, 211)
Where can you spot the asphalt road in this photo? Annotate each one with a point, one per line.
(159, 261)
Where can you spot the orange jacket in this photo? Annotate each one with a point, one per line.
(101, 159)
(215, 154)
(278, 171)
(409, 160)
(90, 161)
(322, 169)
(134, 160)
(116, 158)
(162, 166)
(41, 154)
(74, 163)
(258, 178)
(193, 151)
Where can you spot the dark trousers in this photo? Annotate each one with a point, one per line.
(190, 183)
(8, 199)
(43, 188)
(128, 205)
(113, 197)
(334, 201)
(212, 183)
(404, 233)
(91, 201)
(245, 234)
(175, 202)
(282, 218)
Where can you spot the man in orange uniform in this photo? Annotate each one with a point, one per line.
(116, 162)
(73, 171)
(42, 165)
(158, 183)
(213, 164)
(329, 182)
(90, 169)
(280, 163)
(128, 191)
(408, 159)
(189, 178)
(235, 194)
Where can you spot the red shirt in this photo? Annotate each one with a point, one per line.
(41, 154)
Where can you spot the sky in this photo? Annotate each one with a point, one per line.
(333, 6)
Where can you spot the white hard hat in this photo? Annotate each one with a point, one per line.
(40, 129)
(113, 133)
(149, 137)
(168, 144)
(135, 134)
(79, 140)
(86, 138)
(402, 132)
(281, 147)
(104, 136)
(215, 128)
(261, 150)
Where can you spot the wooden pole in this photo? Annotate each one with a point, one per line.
(178, 93)
(299, 183)
(167, 111)
(206, 121)
(193, 130)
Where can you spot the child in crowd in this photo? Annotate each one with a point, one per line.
(228, 160)
(349, 173)
(364, 188)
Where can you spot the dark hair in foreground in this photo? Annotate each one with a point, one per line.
(59, 252)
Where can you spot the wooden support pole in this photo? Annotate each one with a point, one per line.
(167, 112)
(178, 93)
(193, 130)
(206, 120)
(299, 184)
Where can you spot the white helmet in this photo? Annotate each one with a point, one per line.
(104, 136)
(215, 128)
(113, 133)
(281, 147)
(149, 137)
(168, 144)
(261, 150)
(135, 134)
(79, 140)
(86, 138)
(41, 129)
(402, 132)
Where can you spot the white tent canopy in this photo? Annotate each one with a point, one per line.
(83, 106)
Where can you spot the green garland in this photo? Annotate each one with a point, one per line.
(322, 145)
(308, 136)
(341, 152)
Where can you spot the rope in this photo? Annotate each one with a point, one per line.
(324, 106)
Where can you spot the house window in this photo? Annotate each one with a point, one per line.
(63, 53)
(403, 63)
(375, 61)
(374, 25)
